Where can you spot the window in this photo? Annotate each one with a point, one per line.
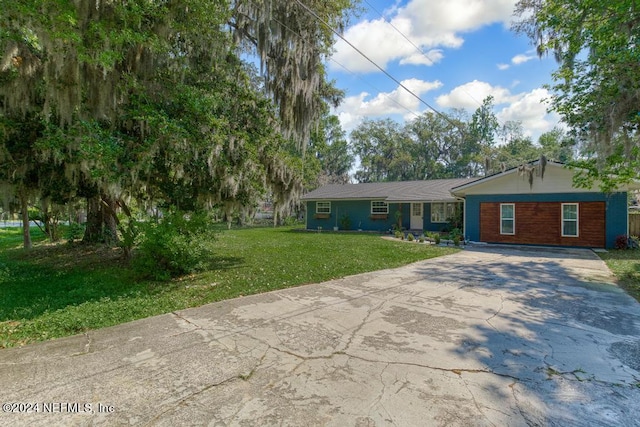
(507, 218)
(441, 212)
(323, 207)
(379, 207)
(569, 220)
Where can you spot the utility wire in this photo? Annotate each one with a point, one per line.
(315, 15)
(353, 73)
(386, 95)
(414, 45)
(400, 32)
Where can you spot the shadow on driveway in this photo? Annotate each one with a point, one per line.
(489, 336)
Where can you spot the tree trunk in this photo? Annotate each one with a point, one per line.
(110, 220)
(275, 216)
(24, 205)
(93, 232)
(102, 222)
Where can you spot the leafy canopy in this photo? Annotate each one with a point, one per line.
(596, 87)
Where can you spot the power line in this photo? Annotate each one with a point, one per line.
(400, 32)
(414, 45)
(379, 90)
(353, 73)
(315, 15)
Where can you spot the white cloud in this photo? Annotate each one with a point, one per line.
(530, 108)
(355, 108)
(522, 58)
(429, 24)
(428, 58)
(439, 20)
(503, 67)
(470, 95)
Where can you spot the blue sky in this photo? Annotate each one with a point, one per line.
(469, 53)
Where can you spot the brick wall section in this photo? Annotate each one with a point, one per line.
(540, 223)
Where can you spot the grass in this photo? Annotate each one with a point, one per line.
(625, 264)
(59, 290)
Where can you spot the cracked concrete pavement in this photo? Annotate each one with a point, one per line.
(490, 336)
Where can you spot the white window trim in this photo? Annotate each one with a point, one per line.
(513, 205)
(563, 219)
(325, 204)
(380, 206)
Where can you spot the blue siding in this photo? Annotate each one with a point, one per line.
(616, 209)
(359, 211)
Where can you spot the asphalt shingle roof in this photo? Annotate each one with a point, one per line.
(403, 191)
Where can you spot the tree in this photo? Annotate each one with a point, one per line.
(482, 132)
(292, 39)
(380, 145)
(330, 153)
(135, 98)
(555, 145)
(20, 168)
(430, 147)
(596, 87)
(438, 147)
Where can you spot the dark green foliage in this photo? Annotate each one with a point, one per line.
(328, 159)
(448, 146)
(456, 221)
(345, 222)
(74, 231)
(596, 87)
(152, 101)
(177, 244)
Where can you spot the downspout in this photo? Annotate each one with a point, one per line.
(464, 216)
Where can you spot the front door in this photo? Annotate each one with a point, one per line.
(416, 216)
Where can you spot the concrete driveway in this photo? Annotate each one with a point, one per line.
(490, 336)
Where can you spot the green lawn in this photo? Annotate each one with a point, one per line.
(625, 264)
(65, 289)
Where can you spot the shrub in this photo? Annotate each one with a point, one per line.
(177, 244)
(410, 237)
(399, 235)
(345, 222)
(622, 241)
(421, 240)
(290, 221)
(456, 240)
(436, 238)
(75, 231)
(456, 232)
